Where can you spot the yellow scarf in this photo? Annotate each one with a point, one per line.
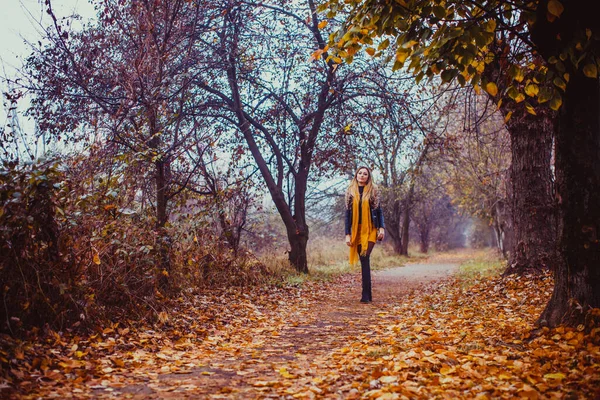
(367, 231)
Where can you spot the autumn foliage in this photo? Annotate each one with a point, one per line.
(75, 249)
(462, 338)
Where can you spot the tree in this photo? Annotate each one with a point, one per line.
(394, 125)
(454, 40)
(433, 207)
(477, 162)
(532, 200)
(282, 106)
(127, 80)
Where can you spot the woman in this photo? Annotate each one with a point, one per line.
(364, 224)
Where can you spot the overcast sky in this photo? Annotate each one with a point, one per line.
(20, 21)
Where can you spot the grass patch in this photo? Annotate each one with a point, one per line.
(483, 263)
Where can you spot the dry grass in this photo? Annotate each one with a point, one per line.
(328, 258)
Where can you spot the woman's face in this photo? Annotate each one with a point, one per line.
(362, 176)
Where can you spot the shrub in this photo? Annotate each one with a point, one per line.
(77, 247)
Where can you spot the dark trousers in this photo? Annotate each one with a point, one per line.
(365, 267)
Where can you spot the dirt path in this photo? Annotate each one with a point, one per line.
(286, 349)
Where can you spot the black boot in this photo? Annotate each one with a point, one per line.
(365, 266)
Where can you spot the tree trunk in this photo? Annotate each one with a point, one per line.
(161, 194)
(297, 255)
(397, 241)
(533, 210)
(577, 274)
(163, 241)
(424, 236)
(393, 226)
(502, 227)
(298, 233)
(577, 277)
(406, 214)
(531, 234)
(499, 239)
(405, 229)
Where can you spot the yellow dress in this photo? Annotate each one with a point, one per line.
(368, 232)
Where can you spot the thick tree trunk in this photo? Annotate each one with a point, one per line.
(531, 234)
(533, 209)
(298, 256)
(298, 234)
(577, 277)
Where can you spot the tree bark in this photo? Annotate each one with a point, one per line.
(577, 273)
(533, 210)
(532, 235)
(298, 256)
(577, 277)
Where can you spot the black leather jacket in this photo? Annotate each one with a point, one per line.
(376, 217)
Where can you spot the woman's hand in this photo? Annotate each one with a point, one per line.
(348, 240)
(381, 234)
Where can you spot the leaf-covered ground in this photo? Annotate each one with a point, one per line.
(422, 338)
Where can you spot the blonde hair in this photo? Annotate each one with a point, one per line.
(369, 192)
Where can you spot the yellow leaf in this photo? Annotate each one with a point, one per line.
(507, 117)
(530, 109)
(491, 88)
(317, 55)
(520, 97)
(556, 102)
(384, 44)
(410, 44)
(558, 375)
(560, 83)
(323, 24)
(402, 55)
(590, 71)
(284, 372)
(555, 8)
(532, 90)
(490, 26)
(370, 51)
(96, 258)
(447, 370)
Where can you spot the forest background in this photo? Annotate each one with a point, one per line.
(173, 155)
(181, 146)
